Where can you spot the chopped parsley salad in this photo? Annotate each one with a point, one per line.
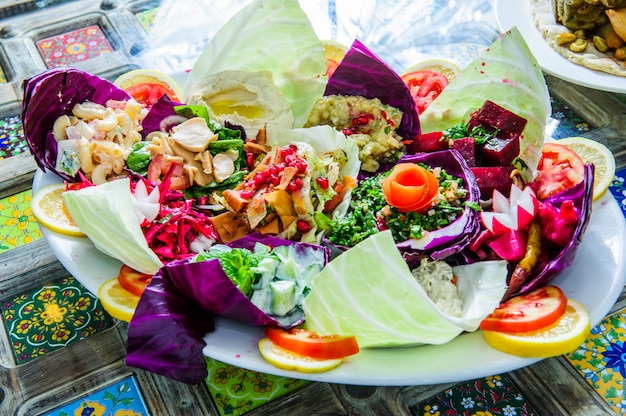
(370, 213)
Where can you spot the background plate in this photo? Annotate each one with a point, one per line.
(510, 13)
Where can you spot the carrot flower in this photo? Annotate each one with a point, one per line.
(410, 187)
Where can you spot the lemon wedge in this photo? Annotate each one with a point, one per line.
(49, 210)
(591, 151)
(287, 360)
(117, 301)
(564, 336)
(448, 68)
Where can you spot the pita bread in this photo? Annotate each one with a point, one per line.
(592, 58)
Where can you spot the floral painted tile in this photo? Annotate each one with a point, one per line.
(12, 141)
(618, 189)
(564, 122)
(17, 223)
(601, 360)
(74, 46)
(120, 399)
(50, 317)
(236, 391)
(146, 18)
(494, 395)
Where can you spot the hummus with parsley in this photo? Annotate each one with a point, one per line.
(369, 122)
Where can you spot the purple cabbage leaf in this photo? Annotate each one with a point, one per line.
(582, 196)
(175, 311)
(51, 94)
(363, 73)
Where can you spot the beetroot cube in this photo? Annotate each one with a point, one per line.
(492, 116)
(499, 151)
(490, 178)
(467, 148)
(428, 142)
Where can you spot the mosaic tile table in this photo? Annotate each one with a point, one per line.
(61, 354)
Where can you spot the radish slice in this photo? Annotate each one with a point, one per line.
(513, 213)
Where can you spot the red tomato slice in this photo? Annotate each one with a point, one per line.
(133, 281)
(528, 312)
(425, 86)
(559, 169)
(310, 344)
(148, 93)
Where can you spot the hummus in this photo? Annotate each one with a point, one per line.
(248, 99)
(369, 122)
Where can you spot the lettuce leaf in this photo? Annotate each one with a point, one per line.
(508, 74)
(106, 215)
(271, 35)
(383, 305)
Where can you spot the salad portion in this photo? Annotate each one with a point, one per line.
(325, 207)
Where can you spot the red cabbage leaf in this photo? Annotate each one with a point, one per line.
(175, 311)
(363, 73)
(51, 94)
(449, 240)
(582, 196)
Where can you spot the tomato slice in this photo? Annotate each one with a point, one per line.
(559, 169)
(528, 312)
(133, 281)
(425, 86)
(309, 344)
(148, 93)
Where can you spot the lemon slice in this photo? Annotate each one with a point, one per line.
(334, 50)
(591, 151)
(117, 301)
(141, 76)
(287, 360)
(447, 68)
(565, 335)
(49, 210)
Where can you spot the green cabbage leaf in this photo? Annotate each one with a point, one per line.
(105, 213)
(383, 305)
(269, 35)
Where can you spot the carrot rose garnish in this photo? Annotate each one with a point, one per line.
(411, 187)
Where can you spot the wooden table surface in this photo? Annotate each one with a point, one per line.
(551, 387)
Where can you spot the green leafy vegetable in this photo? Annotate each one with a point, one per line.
(139, 158)
(238, 263)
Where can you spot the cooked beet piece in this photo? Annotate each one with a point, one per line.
(492, 116)
(467, 148)
(500, 152)
(428, 142)
(490, 178)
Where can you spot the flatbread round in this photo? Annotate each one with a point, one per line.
(592, 58)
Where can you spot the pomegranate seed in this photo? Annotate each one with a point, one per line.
(258, 179)
(322, 182)
(246, 193)
(347, 131)
(303, 226)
